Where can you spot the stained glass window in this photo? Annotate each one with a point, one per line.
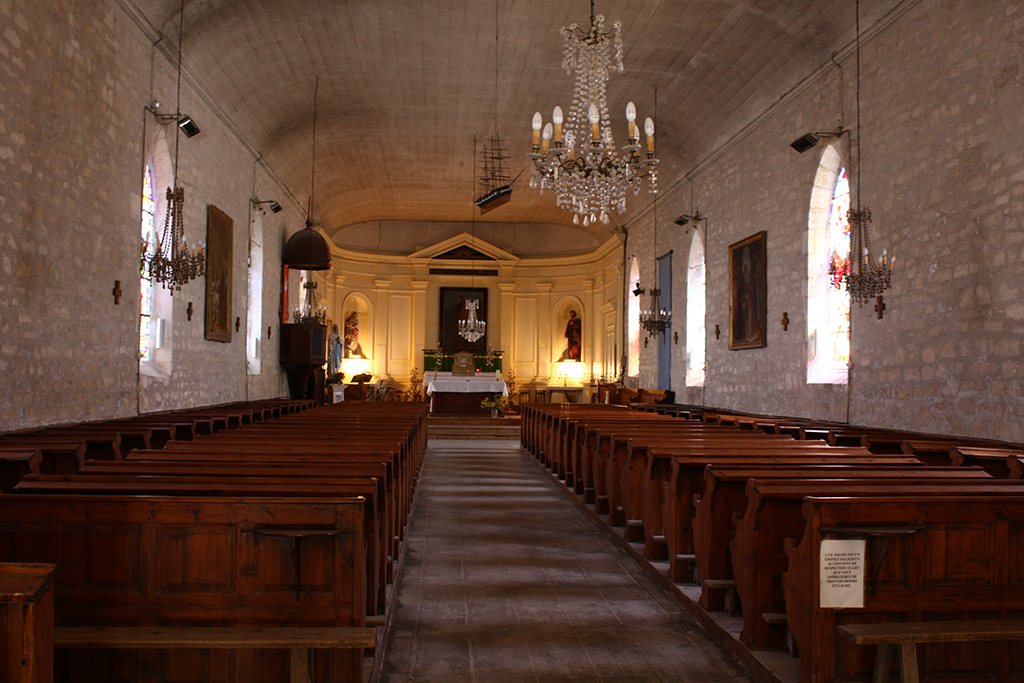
(148, 221)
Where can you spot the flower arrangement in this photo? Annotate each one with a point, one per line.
(494, 403)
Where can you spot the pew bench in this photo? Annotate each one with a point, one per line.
(908, 635)
(299, 640)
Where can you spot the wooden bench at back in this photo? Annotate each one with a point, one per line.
(928, 558)
(163, 561)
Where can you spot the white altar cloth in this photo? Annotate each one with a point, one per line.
(468, 385)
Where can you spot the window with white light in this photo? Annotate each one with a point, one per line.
(696, 305)
(633, 323)
(828, 243)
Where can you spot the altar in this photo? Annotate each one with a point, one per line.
(455, 394)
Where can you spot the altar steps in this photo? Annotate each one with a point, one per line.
(473, 427)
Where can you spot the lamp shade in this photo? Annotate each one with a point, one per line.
(307, 249)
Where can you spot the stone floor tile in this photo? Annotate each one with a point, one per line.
(504, 580)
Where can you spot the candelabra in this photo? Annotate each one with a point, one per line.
(865, 276)
(655, 320)
(170, 262)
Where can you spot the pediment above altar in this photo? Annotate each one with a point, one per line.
(463, 247)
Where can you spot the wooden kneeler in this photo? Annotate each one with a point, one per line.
(300, 640)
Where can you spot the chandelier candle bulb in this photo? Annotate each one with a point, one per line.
(595, 121)
(557, 118)
(547, 138)
(538, 123)
(649, 131)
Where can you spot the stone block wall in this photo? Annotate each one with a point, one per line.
(74, 83)
(943, 174)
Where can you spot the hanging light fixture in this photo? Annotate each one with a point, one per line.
(470, 327)
(654, 319)
(865, 276)
(496, 180)
(582, 166)
(307, 249)
(170, 262)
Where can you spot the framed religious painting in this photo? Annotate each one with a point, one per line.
(461, 303)
(748, 293)
(219, 236)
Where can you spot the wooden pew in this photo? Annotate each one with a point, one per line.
(687, 480)
(15, 463)
(26, 623)
(186, 562)
(773, 514)
(929, 557)
(376, 516)
(999, 462)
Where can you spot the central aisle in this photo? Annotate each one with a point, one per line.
(506, 580)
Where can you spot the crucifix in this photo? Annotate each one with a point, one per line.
(117, 292)
(879, 306)
(189, 310)
(718, 332)
(785, 322)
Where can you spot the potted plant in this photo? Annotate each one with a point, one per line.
(495, 404)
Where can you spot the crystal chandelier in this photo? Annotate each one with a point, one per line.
(865, 276)
(470, 328)
(170, 262)
(583, 168)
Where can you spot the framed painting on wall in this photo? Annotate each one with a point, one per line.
(219, 235)
(748, 293)
(454, 307)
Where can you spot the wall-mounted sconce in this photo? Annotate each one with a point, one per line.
(272, 205)
(806, 142)
(685, 218)
(188, 126)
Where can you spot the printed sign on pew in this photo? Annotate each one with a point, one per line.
(841, 568)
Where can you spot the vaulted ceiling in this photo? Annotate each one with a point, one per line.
(406, 85)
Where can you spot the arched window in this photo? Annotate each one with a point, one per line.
(254, 323)
(633, 323)
(828, 242)
(696, 304)
(149, 239)
(156, 306)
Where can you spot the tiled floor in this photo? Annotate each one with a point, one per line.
(506, 580)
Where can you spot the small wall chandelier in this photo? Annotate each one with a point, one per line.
(583, 167)
(170, 262)
(655, 319)
(865, 276)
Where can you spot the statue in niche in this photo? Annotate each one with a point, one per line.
(573, 338)
(352, 347)
(334, 351)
